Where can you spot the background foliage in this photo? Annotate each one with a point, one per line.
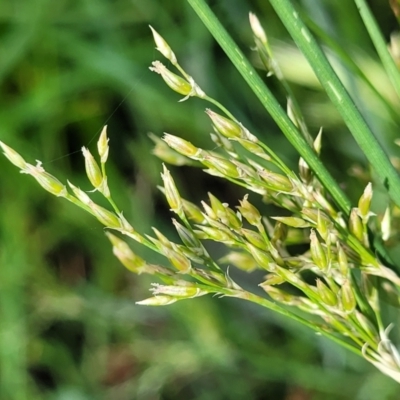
(69, 326)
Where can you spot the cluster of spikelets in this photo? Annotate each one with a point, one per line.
(337, 279)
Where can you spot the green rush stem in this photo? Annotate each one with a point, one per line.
(349, 61)
(274, 307)
(380, 44)
(339, 97)
(269, 102)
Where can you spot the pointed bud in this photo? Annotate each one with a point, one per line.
(386, 225)
(294, 222)
(209, 211)
(221, 164)
(187, 236)
(163, 240)
(249, 212)
(178, 260)
(163, 47)
(254, 238)
(347, 297)
(171, 192)
(166, 154)
(262, 258)
(365, 202)
(318, 142)
(181, 146)
(102, 145)
(193, 212)
(80, 194)
(175, 82)
(326, 294)
(217, 207)
(280, 233)
(107, 218)
(356, 225)
(276, 181)
(253, 147)
(304, 171)
(233, 220)
(342, 260)
(218, 235)
(257, 29)
(157, 301)
(46, 181)
(13, 156)
(322, 226)
(186, 291)
(125, 255)
(271, 280)
(317, 252)
(280, 296)
(226, 127)
(93, 171)
(243, 261)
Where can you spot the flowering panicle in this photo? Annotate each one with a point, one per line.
(314, 258)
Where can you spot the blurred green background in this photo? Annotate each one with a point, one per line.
(69, 326)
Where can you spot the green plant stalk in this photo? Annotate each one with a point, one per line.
(380, 44)
(339, 97)
(269, 102)
(274, 307)
(348, 61)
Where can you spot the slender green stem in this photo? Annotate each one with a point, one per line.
(274, 307)
(380, 44)
(349, 62)
(269, 102)
(339, 97)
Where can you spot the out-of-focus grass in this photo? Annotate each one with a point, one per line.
(69, 328)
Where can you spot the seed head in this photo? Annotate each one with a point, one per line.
(107, 218)
(125, 255)
(186, 291)
(46, 181)
(171, 192)
(175, 82)
(224, 126)
(249, 212)
(13, 156)
(192, 211)
(317, 252)
(365, 202)
(158, 300)
(93, 171)
(163, 47)
(347, 297)
(326, 294)
(102, 145)
(182, 146)
(80, 194)
(276, 181)
(356, 225)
